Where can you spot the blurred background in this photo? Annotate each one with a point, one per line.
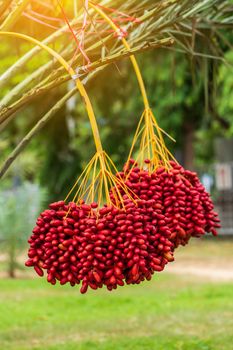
(190, 87)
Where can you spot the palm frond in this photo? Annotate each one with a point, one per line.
(188, 23)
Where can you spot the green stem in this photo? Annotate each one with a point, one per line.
(7, 112)
(4, 5)
(42, 71)
(34, 131)
(14, 15)
(17, 66)
(72, 73)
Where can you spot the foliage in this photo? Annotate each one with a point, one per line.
(175, 98)
(225, 95)
(177, 80)
(19, 208)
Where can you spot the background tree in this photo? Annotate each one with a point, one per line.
(19, 209)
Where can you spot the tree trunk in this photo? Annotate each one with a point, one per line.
(11, 270)
(189, 130)
(12, 258)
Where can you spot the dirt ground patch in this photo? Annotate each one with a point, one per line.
(211, 273)
(211, 259)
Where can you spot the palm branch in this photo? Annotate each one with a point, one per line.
(197, 29)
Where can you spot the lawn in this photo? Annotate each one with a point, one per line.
(172, 312)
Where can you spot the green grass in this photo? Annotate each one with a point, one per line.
(168, 313)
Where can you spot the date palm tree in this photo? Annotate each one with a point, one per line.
(198, 29)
